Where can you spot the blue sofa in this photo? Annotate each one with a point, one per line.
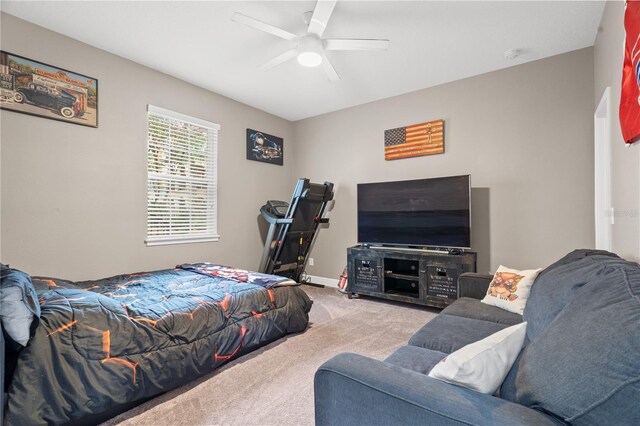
(580, 363)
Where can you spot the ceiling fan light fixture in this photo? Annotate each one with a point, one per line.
(309, 59)
(310, 48)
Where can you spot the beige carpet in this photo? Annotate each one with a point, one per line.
(274, 385)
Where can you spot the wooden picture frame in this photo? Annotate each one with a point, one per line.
(414, 141)
(35, 88)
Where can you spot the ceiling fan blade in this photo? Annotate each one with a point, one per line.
(329, 70)
(279, 59)
(320, 17)
(356, 44)
(262, 26)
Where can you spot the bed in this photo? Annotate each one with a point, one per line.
(101, 346)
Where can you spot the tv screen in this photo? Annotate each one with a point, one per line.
(425, 212)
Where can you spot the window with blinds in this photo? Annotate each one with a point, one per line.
(181, 178)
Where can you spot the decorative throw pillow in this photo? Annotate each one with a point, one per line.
(510, 289)
(483, 365)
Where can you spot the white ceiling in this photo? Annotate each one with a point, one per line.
(431, 43)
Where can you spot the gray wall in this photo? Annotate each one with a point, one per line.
(525, 134)
(625, 178)
(74, 198)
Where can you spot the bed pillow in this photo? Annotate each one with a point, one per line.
(509, 289)
(19, 306)
(483, 365)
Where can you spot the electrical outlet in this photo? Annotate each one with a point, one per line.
(311, 261)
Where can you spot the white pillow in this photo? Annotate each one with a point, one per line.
(509, 289)
(16, 317)
(483, 365)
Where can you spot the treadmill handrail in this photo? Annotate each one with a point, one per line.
(284, 220)
(275, 220)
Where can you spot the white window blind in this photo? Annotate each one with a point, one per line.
(181, 178)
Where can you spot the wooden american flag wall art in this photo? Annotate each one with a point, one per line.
(414, 141)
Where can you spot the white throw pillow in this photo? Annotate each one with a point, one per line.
(16, 317)
(509, 289)
(483, 365)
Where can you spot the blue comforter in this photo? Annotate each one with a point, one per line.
(104, 344)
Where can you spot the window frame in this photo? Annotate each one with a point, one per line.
(212, 234)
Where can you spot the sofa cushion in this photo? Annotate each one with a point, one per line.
(583, 366)
(576, 255)
(414, 358)
(557, 285)
(448, 333)
(473, 308)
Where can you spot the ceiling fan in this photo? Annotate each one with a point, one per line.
(311, 47)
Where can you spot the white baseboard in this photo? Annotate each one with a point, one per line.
(329, 282)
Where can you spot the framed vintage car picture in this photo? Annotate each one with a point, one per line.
(35, 88)
(264, 147)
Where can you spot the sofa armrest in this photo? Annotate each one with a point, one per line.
(474, 285)
(352, 389)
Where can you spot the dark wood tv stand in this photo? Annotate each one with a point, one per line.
(414, 276)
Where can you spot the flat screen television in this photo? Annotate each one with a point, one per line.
(419, 213)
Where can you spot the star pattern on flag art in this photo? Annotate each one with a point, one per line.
(394, 136)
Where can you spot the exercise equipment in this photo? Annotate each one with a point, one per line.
(293, 228)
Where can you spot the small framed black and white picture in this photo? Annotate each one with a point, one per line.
(264, 147)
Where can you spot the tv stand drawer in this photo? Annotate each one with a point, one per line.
(367, 274)
(442, 283)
